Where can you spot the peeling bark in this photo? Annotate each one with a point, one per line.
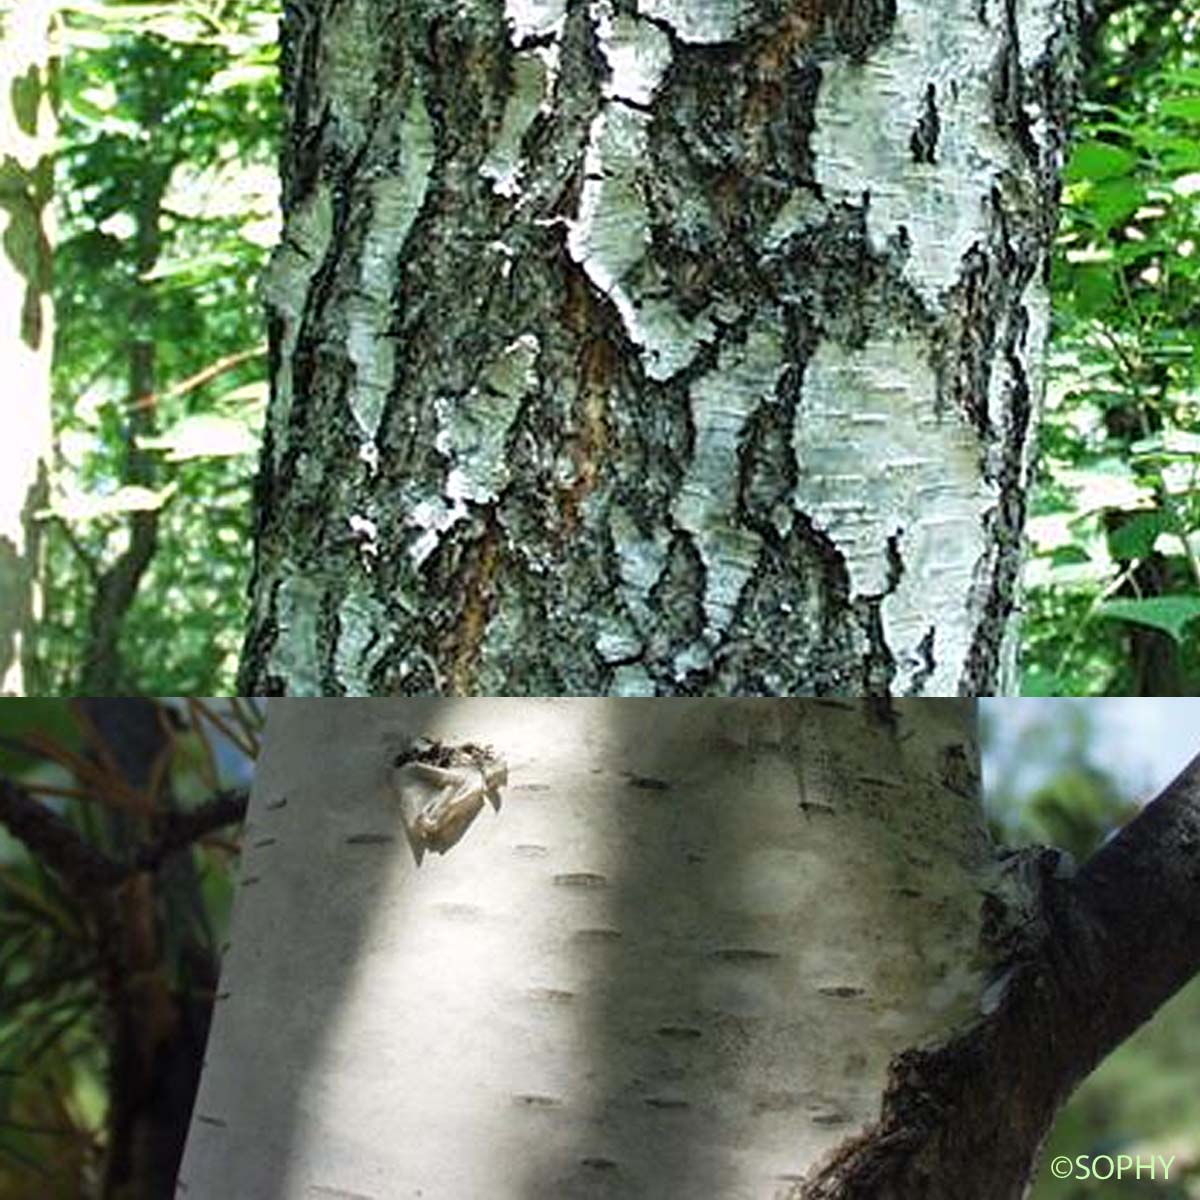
(658, 348)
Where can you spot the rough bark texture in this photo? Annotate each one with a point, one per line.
(27, 131)
(655, 348)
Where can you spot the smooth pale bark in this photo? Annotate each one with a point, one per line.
(28, 129)
(659, 348)
(676, 963)
(706, 948)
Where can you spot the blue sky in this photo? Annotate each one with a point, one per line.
(1144, 742)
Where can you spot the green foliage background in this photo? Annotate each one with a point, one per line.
(63, 952)
(170, 118)
(1114, 587)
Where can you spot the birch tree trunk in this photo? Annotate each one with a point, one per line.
(707, 948)
(28, 128)
(655, 348)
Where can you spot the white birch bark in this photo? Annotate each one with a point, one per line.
(655, 349)
(677, 962)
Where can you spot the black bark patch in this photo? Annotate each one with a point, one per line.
(923, 142)
(859, 26)
(603, 937)
(551, 995)
(648, 784)
(581, 879)
(744, 954)
(531, 1100)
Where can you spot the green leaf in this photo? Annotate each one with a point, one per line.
(1039, 681)
(1185, 107)
(1064, 556)
(1099, 160)
(1170, 614)
(1182, 76)
(1148, 446)
(1174, 443)
(243, 75)
(83, 507)
(192, 269)
(246, 397)
(1093, 286)
(1102, 397)
(52, 718)
(1113, 201)
(1135, 538)
(1106, 483)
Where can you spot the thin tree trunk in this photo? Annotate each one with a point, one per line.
(103, 671)
(689, 352)
(28, 129)
(159, 973)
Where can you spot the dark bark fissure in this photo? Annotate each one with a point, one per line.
(1021, 223)
(925, 135)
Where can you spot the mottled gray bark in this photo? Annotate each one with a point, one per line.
(655, 348)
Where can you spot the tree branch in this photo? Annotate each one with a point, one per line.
(56, 842)
(1134, 915)
(1082, 960)
(181, 829)
(202, 377)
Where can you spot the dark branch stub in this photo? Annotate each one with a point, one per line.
(57, 844)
